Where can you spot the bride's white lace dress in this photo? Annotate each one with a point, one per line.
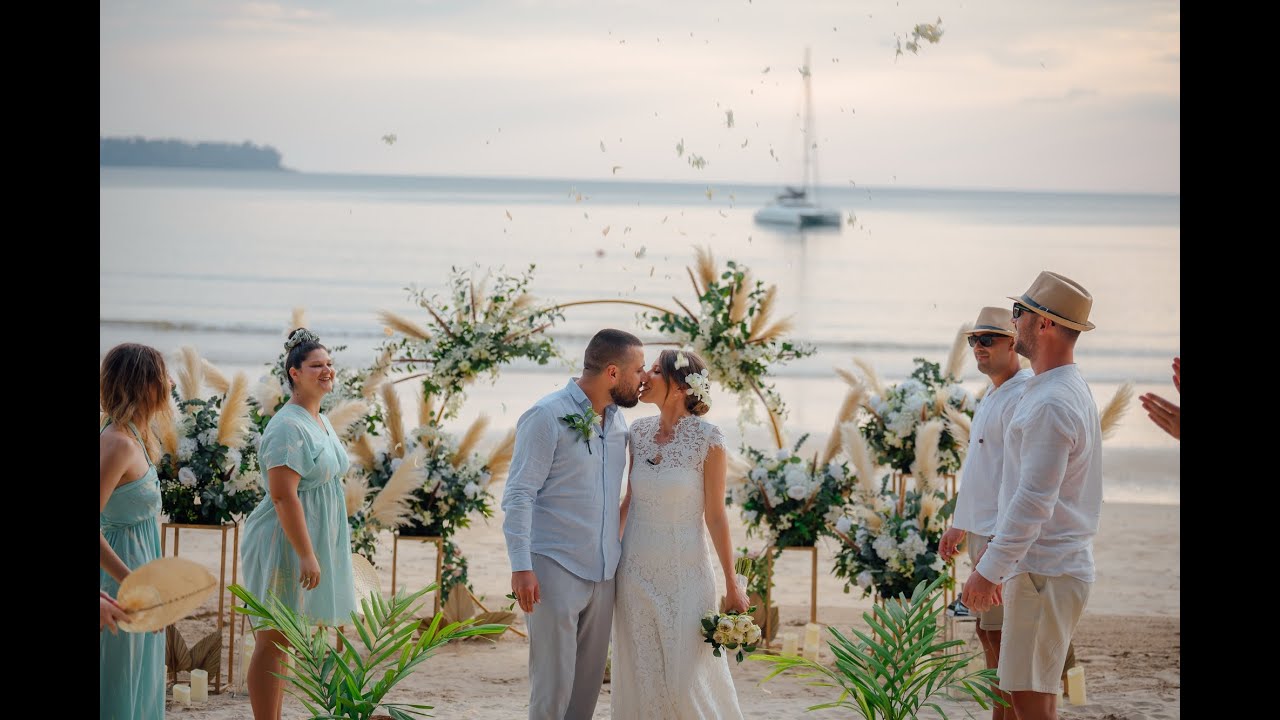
(662, 667)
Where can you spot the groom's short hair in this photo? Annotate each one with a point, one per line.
(608, 347)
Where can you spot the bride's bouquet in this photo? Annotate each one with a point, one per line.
(731, 631)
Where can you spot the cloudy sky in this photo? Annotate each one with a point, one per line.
(1021, 94)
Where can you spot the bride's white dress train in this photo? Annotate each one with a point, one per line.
(662, 667)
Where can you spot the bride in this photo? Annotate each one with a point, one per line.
(662, 668)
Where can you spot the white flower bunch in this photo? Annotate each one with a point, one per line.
(699, 386)
(731, 631)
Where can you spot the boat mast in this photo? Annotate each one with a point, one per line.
(810, 163)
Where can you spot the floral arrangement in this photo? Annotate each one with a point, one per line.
(893, 551)
(731, 631)
(733, 331)
(209, 471)
(898, 411)
(473, 331)
(428, 483)
(789, 499)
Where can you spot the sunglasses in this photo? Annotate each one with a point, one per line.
(985, 340)
(1018, 309)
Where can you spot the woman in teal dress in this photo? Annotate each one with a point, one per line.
(134, 389)
(297, 543)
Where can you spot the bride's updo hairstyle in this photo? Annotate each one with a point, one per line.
(300, 344)
(677, 366)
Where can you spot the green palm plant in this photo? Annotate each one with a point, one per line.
(344, 683)
(899, 667)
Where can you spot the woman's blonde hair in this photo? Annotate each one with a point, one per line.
(133, 388)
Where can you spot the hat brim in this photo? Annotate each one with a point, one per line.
(365, 579)
(1083, 327)
(990, 330)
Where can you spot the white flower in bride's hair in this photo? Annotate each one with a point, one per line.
(682, 360)
(187, 477)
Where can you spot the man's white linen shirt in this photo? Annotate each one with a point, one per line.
(1051, 497)
(978, 503)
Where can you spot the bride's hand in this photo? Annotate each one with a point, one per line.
(736, 600)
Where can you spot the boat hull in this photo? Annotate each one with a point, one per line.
(797, 216)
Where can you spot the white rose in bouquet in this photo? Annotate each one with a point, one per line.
(742, 624)
(718, 637)
(725, 625)
(753, 635)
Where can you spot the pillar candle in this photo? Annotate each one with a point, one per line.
(812, 640)
(789, 643)
(199, 686)
(182, 694)
(1075, 686)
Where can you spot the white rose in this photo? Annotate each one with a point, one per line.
(725, 625)
(783, 454)
(753, 635)
(864, 579)
(718, 637)
(471, 489)
(187, 477)
(835, 470)
(795, 475)
(750, 516)
(742, 624)
(759, 473)
(843, 525)
(885, 547)
(797, 492)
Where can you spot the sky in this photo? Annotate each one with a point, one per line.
(1076, 95)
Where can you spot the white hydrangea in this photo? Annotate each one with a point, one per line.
(186, 448)
(843, 524)
(886, 547)
(750, 516)
(833, 515)
(758, 473)
(835, 470)
(864, 579)
(187, 477)
(232, 460)
(913, 546)
(209, 437)
(783, 454)
(471, 490)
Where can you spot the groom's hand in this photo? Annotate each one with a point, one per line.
(525, 585)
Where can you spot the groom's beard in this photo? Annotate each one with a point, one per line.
(625, 397)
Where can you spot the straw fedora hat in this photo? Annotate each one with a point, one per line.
(366, 579)
(994, 320)
(1060, 299)
(163, 592)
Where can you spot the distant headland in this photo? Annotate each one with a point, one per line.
(140, 152)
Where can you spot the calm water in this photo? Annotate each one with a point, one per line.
(217, 259)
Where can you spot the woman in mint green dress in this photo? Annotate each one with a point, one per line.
(134, 388)
(297, 543)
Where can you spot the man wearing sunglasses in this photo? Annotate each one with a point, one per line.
(1050, 500)
(977, 503)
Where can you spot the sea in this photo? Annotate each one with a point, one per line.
(219, 259)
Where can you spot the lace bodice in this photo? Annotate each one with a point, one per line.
(667, 478)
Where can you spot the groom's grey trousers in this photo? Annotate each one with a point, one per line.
(568, 642)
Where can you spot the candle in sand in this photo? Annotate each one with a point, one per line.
(789, 643)
(812, 640)
(182, 694)
(200, 686)
(1075, 686)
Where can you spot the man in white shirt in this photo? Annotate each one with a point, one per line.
(978, 501)
(1050, 501)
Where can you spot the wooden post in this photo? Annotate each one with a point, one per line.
(220, 683)
(768, 588)
(395, 559)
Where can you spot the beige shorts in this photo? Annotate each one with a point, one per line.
(1040, 615)
(992, 619)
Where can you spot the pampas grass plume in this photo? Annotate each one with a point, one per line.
(469, 441)
(500, 458)
(394, 422)
(928, 436)
(190, 374)
(390, 508)
(355, 488)
(234, 419)
(959, 425)
(346, 414)
(214, 377)
(1116, 409)
(268, 393)
(959, 351)
(403, 325)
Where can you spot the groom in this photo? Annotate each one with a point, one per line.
(561, 504)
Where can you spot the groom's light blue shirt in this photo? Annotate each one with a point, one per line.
(561, 501)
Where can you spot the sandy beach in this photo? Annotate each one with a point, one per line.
(1128, 641)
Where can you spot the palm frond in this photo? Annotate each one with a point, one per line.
(214, 378)
(500, 458)
(1116, 409)
(346, 415)
(959, 351)
(355, 487)
(233, 423)
(469, 441)
(394, 422)
(958, 424)
(925, 468)
(403, 325)
(391, 507)
(763, 311)
(873, 379)
(706, 267)
(190, 374)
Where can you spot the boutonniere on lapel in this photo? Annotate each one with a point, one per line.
(586, 423)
